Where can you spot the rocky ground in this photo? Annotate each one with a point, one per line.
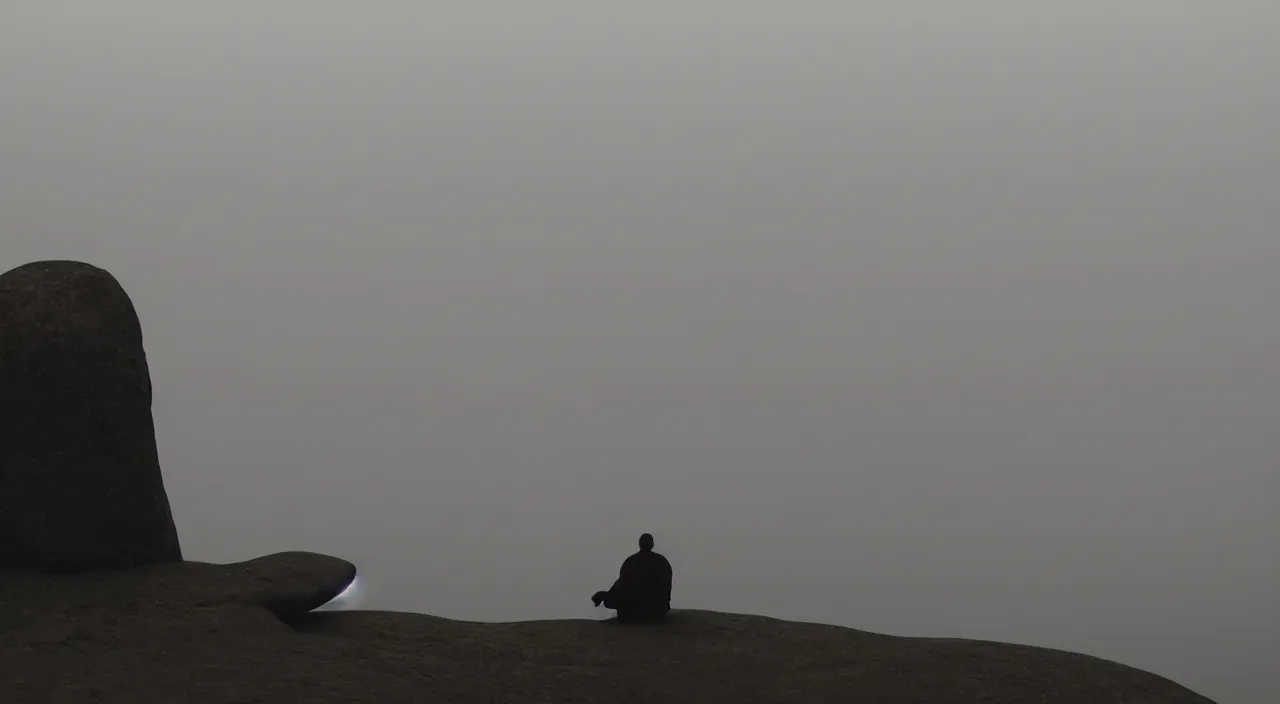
(193, 632)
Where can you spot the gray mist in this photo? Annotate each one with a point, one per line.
(924, 318)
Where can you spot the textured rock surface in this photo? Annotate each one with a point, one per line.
(80, 484)
(191, 632)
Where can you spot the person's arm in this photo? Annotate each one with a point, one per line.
(624, 573)
(668, 573)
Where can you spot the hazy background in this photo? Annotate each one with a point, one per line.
(926, 318)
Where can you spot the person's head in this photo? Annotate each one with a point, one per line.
(646, 542)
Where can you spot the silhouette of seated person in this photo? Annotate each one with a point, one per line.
(643, 590)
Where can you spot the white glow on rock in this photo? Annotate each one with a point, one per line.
(346, 600)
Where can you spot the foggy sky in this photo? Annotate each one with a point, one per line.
(924, 318)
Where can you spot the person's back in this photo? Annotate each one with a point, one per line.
(643, 589)
(647, 576)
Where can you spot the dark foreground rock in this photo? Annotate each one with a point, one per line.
(191, 632)
(80, 484)
(96, 604)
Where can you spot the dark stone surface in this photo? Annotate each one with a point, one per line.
(80, 483)
(193, 632)
(96, 604)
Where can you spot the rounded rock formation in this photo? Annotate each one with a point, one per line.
(80, 482)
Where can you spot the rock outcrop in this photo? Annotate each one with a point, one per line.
(191, 632)
(97, 605)
(80, 483)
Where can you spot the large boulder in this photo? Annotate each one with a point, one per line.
(80, 484)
